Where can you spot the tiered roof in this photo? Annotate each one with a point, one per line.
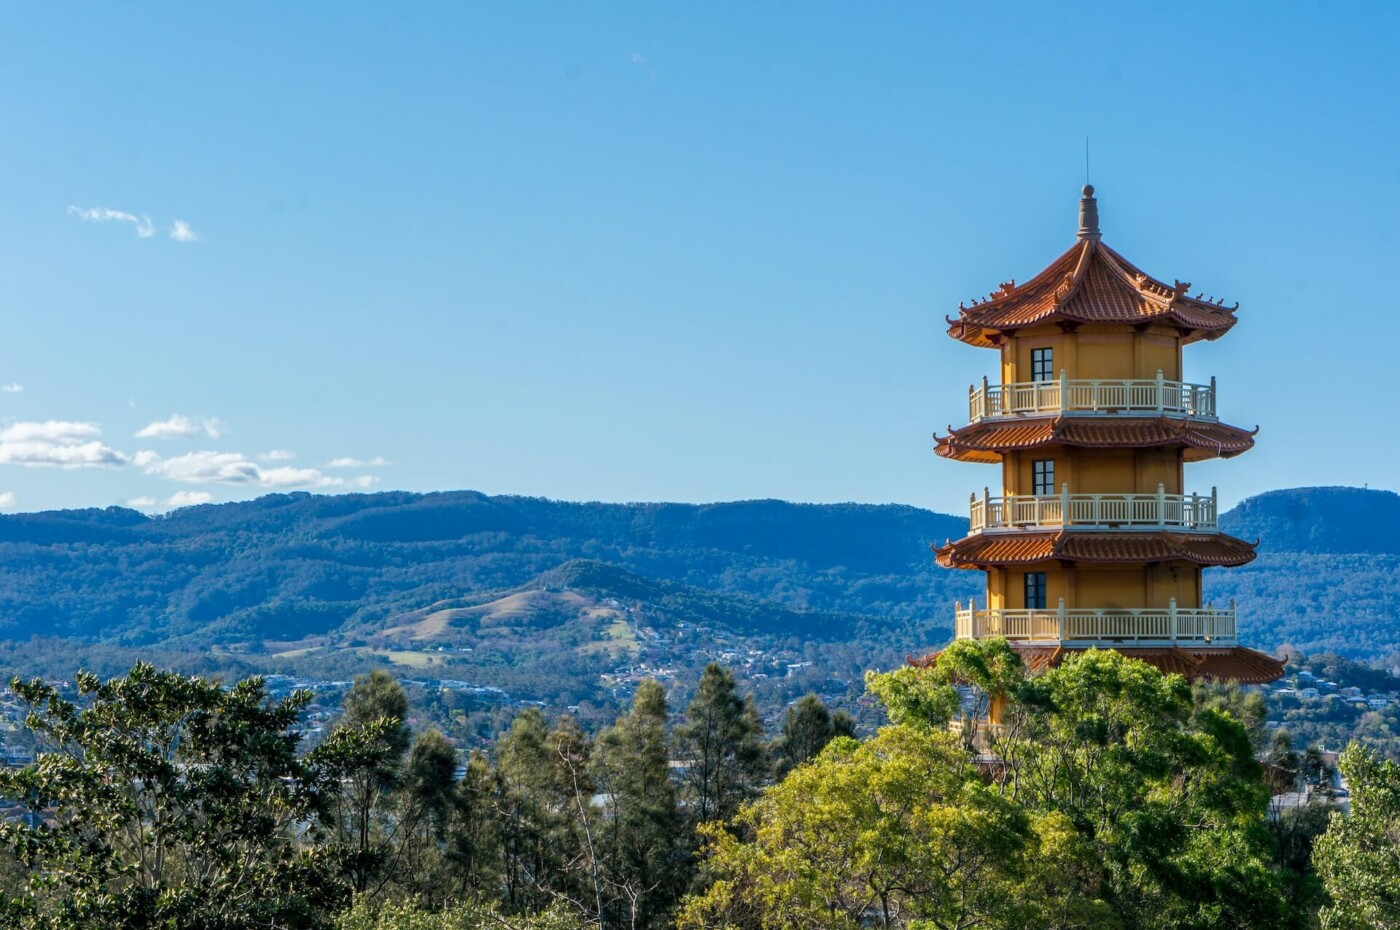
(986, 440)
(1091, 283)
(1023, 548)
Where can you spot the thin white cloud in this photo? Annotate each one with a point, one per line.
(276, 455)
(188, 498)
(57, 443)
(8, 501)
(378, 461)
(180, 426)
(180, 231)
(638, 58)
(144, 228)
(365, 481)
(232, 468)
(12, 388)
(142, 503)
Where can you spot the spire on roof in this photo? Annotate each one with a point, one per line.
(1089, 216)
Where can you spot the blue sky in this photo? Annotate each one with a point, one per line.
(658, 252)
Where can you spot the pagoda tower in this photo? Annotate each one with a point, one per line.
(1092, 538)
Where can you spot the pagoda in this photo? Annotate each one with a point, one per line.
(1091, 539)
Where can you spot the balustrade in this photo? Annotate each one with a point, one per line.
(1099, 511)
(1135, 398)
(1171, 624)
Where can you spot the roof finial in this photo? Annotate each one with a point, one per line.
(1089, 216)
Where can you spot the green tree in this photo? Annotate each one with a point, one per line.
(808, 726)
(362, 810)
(1170, 797)
(548, 853)
(469, 915)
(526, 812)
(898, 831)
(1110, 800)
(474, 836)
(1282, 763)
(424, 811)
(169, 802)
(639, 836)
(1358, 858)
(720, 746)
(1248, 707)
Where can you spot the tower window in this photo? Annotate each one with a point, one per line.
(1043, 476)
(1042, 364)
(1035, 590)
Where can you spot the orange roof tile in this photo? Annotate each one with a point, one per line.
(986, 440)
(1222, 663)
(1020, 548)
(1090, 283)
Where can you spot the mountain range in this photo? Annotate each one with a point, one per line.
(294, 575)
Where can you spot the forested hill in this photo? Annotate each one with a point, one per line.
(292, 565)
(295, 565)
(1333, 520)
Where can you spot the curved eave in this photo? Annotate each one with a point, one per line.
(1093, 547)
(984, 336)
(1090, 284)
(1220, 663)
(989, 440)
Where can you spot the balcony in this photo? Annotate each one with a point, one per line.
(1187, 512)
(982, 736)
(1155, 397)
(1109, 626)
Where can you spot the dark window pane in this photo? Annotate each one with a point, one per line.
(1043, 476)
(1042, 365)
(1035, 590)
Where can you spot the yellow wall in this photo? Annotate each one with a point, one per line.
(1098, 586)
(1090, 352)
(1110, 587)
(1096, 471)
(1182, 582)
(1155, 352)
(1105, 471)
(996, 589)
(1108, 353)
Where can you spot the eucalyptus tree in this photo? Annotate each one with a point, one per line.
(640, 829)
(162, 801)
(808, 725)
(1358, 858)
(719, 745)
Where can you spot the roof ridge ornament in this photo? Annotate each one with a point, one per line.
(1089, 216)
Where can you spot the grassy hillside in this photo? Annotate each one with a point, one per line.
(298, 577)
(291, 566)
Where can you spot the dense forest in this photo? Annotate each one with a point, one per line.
(1108, 796)
(542, 598)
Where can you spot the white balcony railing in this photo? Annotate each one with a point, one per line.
(1112, 625)
(1135, 398)
(983, 736)
(1095, 511)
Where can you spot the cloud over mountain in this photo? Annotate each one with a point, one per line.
(235, 468)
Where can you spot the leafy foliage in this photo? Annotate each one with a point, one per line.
(720, 748)
(1103, 796)
(1358, 857)
(807, 727)
(163, 801)
(463, 916)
